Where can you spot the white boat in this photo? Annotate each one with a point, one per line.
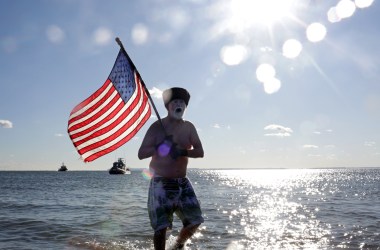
(119, 167)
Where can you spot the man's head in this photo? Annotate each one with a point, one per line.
(176, 101)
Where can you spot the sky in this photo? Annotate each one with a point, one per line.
(273, 84)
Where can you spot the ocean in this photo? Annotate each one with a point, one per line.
(243, 209)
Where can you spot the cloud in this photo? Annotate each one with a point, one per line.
(6, 124)
(310, 146)
(102, 36)
(156, 93)
(216, 125)
(55, 34)
(58, 135)
(9, 44)
(140, 34)
(369, 143)
(278, 130)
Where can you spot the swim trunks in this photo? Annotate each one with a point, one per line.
(172, 195)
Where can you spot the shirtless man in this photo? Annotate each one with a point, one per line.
(170, 190)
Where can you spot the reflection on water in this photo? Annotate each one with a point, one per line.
(292, 209)
(243, 209)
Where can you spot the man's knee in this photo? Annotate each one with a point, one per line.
(160, 233)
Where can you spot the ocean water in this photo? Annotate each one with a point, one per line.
(243, 209)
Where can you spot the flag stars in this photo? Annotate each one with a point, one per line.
(122, 77)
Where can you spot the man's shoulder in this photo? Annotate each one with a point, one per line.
(155, 125)
(189, 124)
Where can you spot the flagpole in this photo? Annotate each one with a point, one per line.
(143, 84)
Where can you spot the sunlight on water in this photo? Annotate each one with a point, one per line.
(271, 216)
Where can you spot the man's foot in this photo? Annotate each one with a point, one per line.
(178, 246)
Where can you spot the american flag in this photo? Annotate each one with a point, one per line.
(112, 115)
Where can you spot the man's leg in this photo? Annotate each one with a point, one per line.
(185, 234)
(159, 239)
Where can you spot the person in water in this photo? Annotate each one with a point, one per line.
(170, 190)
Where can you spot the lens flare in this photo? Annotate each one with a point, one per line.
(291, 48)
(316, 32)
(345, 8)
(147, 174)
(233, 55)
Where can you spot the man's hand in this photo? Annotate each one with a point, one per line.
(177, 152)
(168, 147)
(163, 148)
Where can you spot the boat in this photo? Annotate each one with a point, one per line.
(119, 167)
(63, 167)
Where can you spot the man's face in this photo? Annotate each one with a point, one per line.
(177, 109)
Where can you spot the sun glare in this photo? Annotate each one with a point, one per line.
(266, 74)
(316, 32)
(291, 48)
(345, 8)
(245, 12)
(233, 55)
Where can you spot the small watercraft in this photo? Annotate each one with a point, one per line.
(63, 167)
(119, 167)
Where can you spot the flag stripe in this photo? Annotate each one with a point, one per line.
(111, 130)
(112, 115)
(129, 135)
(94, 108)
(98, 144)
(120, 143)
(84, 106)
(82, 132)
(103, 116)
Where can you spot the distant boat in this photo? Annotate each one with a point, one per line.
(63, 167)
(119, 167)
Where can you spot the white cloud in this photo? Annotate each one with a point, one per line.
(55, 34)
(310, 146)
(140, 34)
(278, 134)
(278, 130)
(6, 124)
(156, 93)
(59, 135)
(216, 125)
(102, 36)
(369, 143)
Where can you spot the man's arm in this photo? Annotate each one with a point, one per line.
(147, 148)
(197, 150)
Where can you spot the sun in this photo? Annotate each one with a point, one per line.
(244, 13)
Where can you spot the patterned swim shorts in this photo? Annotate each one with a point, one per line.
(172, 195)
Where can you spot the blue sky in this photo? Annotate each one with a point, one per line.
(274, 84)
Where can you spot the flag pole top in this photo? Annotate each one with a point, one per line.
(117, 39)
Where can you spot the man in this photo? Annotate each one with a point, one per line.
(170, 190)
